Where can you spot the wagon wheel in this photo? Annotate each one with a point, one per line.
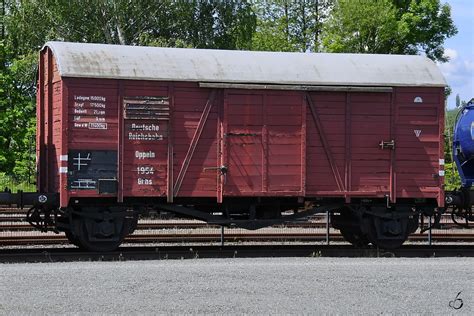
(387, 233)
(348, 224)
(100, 229)
(91, 241)
(73, 239)
(354, 236)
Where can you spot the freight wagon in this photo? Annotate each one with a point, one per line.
(238, 138)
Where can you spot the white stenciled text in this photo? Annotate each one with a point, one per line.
(144, 154)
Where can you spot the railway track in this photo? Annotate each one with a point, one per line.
(167, 224)
(215, 237)
(15, 231)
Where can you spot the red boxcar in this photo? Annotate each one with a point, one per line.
(237, 137)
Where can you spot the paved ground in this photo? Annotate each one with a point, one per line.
(269, 286)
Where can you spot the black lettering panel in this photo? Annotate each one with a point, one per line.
(87, 168)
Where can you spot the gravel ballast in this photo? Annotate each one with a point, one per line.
(280, 285)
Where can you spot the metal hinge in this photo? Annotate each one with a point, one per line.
(387, 145)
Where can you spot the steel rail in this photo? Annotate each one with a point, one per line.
(16, 224)
(215, 237)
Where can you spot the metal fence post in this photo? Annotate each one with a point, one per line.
(327, 227)
(222, 236)
(429, 231)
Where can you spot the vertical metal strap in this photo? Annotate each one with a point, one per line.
(49, 131)
(64, 194)
(348, 148)
(194, 142)
(121, 137)
(170, 172)
(264, 144)
(40, 110)
(441, 123)
(304, 131)
(327, 149)
(222, 153)
(219, 137)
(393, 162)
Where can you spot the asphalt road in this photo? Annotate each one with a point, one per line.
(236, 286)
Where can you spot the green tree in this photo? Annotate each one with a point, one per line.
(389, 26)
(290, 25)
(452, 179)
(28, 24)
(363, 26)
(272, 33)
(425, 25)
(199, 23)
(368, 26)
(17, 123)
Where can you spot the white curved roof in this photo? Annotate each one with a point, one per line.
(208, 65)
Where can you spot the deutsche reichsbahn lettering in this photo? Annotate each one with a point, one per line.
(145, 136)
(145, 127)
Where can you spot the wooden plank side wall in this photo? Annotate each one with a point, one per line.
(330, 107)
(131, 163)
(200, 179)
(370, 124)
(264, 143)
(49, 131)
(80, 136)
(40, 123)
(284, 113)
(261, 138)
(419, 140)
(46, 123)
(57, 132)
(243, 137)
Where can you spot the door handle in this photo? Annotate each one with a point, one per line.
(240, 134)
(387, 144)
(222, 169)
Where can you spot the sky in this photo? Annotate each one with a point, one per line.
(459, 71)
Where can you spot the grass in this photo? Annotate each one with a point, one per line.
(10, 183)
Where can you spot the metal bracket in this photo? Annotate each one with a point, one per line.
(387, 144)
